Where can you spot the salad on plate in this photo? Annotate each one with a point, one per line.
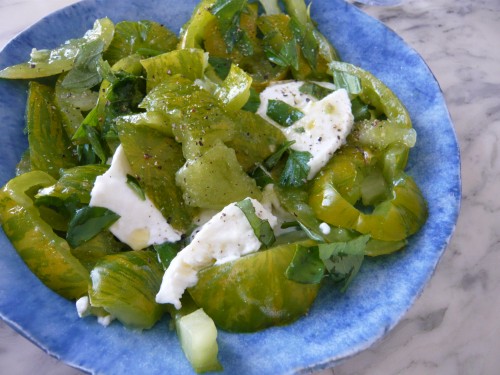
(220, 176)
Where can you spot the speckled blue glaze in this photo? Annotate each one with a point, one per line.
(339, 325)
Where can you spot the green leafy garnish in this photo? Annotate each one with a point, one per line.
(343, 259)
(261, 228)
(286, 56)
(349, 82)
(315, 90)
(360, 110)
(133, 183)
(306, 266)
(86, 73)
(296, 168)
(167, 252)
(283, 113)
(253, 103)
(88, 222)
(228, 13)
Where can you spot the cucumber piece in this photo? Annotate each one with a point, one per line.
(198, 336)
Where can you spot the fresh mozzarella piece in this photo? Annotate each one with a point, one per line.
(225, 237)
(140, 224)
(324, 127)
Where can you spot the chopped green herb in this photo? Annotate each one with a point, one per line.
(283, 113)
(306, 266)
(167, 252)
(296, 168)
(133, 183)
(88, 222)
(315, 90)
(261, 228)
(349, 82)
(343, 259)
(85, 73)
(253, 103)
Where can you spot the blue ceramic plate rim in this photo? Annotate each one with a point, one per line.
(338, 325)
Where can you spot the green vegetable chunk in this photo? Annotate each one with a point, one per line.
(215, 179)
(125, 285)
(147, 38)
(155, 158)
(44, 63)
(50, 148)
(198, 336)
(253, 293)
(47, 255)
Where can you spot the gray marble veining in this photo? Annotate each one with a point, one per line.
(454, 327)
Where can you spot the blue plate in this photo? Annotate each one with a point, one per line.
(339, 325)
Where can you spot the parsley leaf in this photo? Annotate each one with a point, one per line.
(343, 259)
(296, 169)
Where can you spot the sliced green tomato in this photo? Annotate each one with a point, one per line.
(199, 122)
(71, 104)
(47, 255)
(215, 179)
(192, 33)
(50, 147)
(394, 219)
(234, 92)
(154, 159)
(376, 94)
(143, 37)
(44, 63)
(125, 285)
(253, 293)
(198, 336)
(91, 251)
(190, 63)
(77, 181)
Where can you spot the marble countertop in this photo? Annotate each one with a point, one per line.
(454, 327)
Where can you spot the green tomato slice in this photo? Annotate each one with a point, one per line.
(253, 293)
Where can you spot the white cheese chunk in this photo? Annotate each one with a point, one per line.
(140, 224)
(324, 127)
(225, 237)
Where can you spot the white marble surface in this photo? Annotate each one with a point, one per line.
(454, 327)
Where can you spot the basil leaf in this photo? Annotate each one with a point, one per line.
(88, 222)
(349, 82)
(343, 259)
(306, 266)
(167, 252)
(287, 56)
(95, 141)
(283, 113)
(228, 14)
(261, 228)
(360, 110)
(85, 73)
(315, 90)
(253, 103)
(221, 66)
(296, 169)
(133, 183)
